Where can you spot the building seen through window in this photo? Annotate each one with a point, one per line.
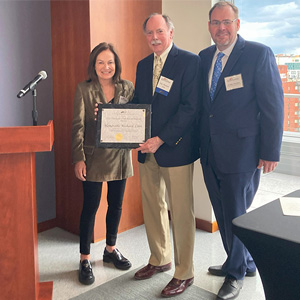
(276, 24)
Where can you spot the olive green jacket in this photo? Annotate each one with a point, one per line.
(102, 164)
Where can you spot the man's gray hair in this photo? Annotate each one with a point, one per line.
(167, 19)
(222, 4)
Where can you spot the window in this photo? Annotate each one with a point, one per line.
(276, 24)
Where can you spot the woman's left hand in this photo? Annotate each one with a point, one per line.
(80, 170)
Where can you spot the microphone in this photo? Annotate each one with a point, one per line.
(32, 84)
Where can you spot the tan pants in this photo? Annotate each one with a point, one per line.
(178, 182)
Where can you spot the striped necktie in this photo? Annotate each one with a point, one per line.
(216, 75)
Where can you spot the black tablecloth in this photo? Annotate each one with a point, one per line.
(274, 243)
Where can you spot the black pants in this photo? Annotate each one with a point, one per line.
(91, 200)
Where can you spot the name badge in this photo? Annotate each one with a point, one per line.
(234, 82)
(164, 85)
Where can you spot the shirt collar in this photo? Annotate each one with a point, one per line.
(228, 50)
(164, 55)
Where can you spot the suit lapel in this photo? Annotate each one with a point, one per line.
(97, 93)
(148, 69)
(207, 64)
(168, 65)
(118, 91)
(170, 62)
(232, 60)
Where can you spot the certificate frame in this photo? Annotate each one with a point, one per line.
(110, 132)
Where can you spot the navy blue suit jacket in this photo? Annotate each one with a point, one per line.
(174, 116)
(243, 125)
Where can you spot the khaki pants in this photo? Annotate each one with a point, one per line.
(178, 182)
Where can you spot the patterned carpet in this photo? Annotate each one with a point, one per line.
(125, 287)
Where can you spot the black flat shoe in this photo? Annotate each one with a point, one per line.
(217, 271)
(86, 275)
(230, 289)
(117, 259)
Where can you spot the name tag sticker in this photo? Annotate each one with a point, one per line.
(234, 82)
(164, 85)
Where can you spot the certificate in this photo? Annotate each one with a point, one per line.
(123, 125)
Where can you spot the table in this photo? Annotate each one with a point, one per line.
(273, 240)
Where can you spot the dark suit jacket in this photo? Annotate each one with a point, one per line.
(173, 116)
(245, 124)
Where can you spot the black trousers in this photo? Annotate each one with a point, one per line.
(91, 200)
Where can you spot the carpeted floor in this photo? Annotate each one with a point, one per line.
(125, 287)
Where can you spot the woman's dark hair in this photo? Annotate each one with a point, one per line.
(92, 75)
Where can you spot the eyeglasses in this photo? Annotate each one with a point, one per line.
(224, 22)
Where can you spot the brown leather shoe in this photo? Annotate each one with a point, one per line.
(176, 287)
(150, 270)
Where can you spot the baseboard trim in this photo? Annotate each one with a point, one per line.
(203, 224)
(200, 224)
(45, 290)
(46, 225)
(206, 225)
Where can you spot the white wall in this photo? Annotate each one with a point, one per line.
(190, 18)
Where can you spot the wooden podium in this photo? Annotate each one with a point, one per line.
(19, 274)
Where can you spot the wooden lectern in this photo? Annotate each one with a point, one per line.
(19, 274)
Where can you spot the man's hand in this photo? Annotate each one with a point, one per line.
(80, 170)
(268, 166)
(151, 145)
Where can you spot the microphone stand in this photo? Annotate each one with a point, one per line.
(34, 110)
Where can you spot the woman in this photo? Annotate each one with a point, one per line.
(95, 165)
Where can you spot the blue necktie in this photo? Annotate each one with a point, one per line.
(216, 75)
